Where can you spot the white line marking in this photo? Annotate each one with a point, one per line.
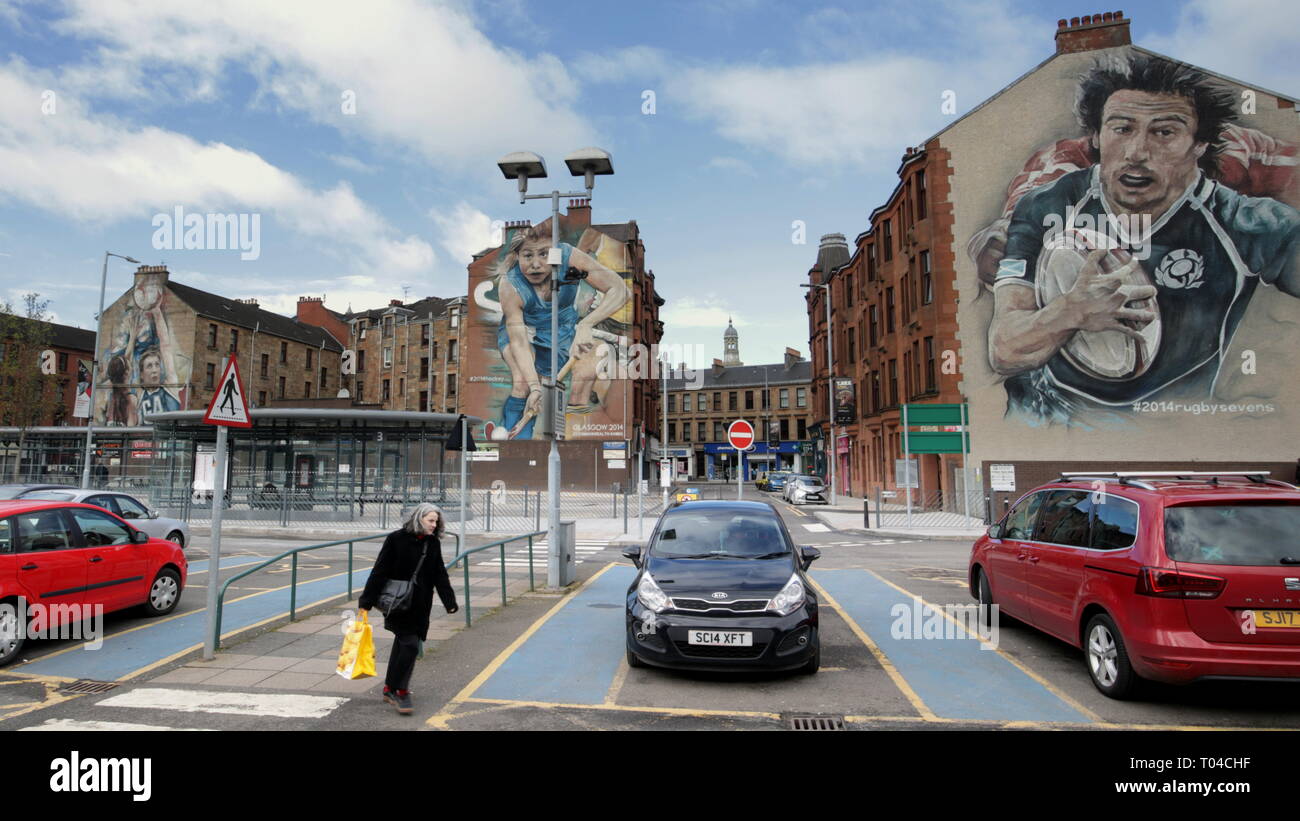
(817, 528)
(62, 725)
(275, 705)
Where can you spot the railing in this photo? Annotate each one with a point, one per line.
(293, 583)
(463, 559)
(947, 509)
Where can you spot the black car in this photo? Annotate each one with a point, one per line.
(721, 587)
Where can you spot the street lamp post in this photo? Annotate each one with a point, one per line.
(523, 166)
(94, 365)
(830, 389)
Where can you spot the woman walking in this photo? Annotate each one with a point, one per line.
(414, 546)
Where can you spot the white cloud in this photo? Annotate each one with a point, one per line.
(424, 77)
(89, 168)
(732, 164)
(465, 231)
(706, 312)
(1252, 41)
(351, 163)
(634, 63)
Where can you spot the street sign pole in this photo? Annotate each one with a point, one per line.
(214, 556)
(907, 465)
(739, 471)
(464, 443)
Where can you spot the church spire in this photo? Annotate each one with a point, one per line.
(731, 346)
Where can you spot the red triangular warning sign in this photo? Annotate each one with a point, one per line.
(228, 406)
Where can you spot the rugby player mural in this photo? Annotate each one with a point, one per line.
(1125, 259)
(511, 316)
(142, 370)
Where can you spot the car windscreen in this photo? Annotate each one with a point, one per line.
(51, 496)
(1234, 534)
(720, 533)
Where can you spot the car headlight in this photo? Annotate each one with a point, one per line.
(650, 596)
(790, 598)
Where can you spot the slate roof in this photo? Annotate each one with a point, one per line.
(66, 336)
(748, 376)
(252, 317)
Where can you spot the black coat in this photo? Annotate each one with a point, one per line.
(397, 560)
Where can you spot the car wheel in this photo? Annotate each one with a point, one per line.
(633, 660)
(984, 595)
(814, 664)
(12, 634)
(1107, 658)
(164, 593)
(177, 537)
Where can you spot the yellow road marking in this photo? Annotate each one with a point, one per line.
(619, 677)
(1051, 688)
(441, 717)
(881, 658)
(624, 708)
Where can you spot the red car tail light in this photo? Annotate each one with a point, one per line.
(1172, 584)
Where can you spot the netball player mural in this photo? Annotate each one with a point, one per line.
(512, 313)
(1125, 259)
(142, 372)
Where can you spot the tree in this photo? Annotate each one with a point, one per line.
(27, 396)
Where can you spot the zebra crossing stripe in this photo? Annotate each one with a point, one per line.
(63, 725)
(271, 705)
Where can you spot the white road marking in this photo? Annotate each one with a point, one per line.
(817, 528)
(273, 705)
(68, 724)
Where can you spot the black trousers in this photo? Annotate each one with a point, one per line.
(401, 661)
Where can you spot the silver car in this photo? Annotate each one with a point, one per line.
(805, 490)
(128, 507)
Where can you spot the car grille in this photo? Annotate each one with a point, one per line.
(700, 605)
(712, 652)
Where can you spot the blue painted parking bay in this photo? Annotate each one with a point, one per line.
(956, 678)
(126, 652)
(574, 656)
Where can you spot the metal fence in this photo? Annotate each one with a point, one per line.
(946, 509)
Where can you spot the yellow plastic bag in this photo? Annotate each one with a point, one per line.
(357, 658)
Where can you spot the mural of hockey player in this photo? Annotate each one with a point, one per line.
(1082, 323)
(524, 334)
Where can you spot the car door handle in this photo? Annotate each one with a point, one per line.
(1022, 557)
(1033, 559)
(29, 567)
(96, 559)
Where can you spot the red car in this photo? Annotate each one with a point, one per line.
(1172, 577)
(59, 561)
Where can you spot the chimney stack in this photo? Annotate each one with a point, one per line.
(792, 357)
(394, 303)
(579, 212)
(718, 367)
(1092, 32)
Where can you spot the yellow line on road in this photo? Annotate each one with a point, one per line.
(1051, 688)
(442, 716)
(881, 658)
(616, 686)
(624, 708)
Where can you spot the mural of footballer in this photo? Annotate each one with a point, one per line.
(1080, 324)
(524, 335)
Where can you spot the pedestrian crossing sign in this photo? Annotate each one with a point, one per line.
(228, 406)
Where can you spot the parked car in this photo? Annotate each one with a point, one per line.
(13, 491)
(78, 556)
(800, 490)
(1153, 576)
(721, 586)
(128, 507)
(776, 480)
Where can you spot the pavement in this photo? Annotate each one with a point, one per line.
(847, 515)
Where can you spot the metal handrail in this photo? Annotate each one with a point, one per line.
(501, 545)
(293, 584)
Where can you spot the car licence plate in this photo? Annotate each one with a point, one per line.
(719, 638)
(1277, 618)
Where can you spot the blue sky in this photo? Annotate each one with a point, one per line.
(764, 113)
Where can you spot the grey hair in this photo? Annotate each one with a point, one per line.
(421, 510)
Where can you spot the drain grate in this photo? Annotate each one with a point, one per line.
(89, 686)
(814, 721)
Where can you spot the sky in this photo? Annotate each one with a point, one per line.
(359, 140)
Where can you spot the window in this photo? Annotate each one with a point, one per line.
(672, 403)
(1115, 521)
(284, 352)
(731, 400)
(875, 391)
(403, 357)
(802, 428)
(686, 431)
(719, 435)
(1065, 519)
(388, 327)
(388, 357)
(893, 382)
(433, 383)
(387, 390)
(306, 390)
(889, 310)
(424, 336)
(361, 391)
(424, 364)
(801, 397)
(703, 402)
(451, 385)
(361, 361)
(686, 402)
(451, 350)
(907, 374)
(266, 364)
(701, 431)
(871, 262)
(927, 281)
(848, 290)
(212, 336)
(210, 378)
(853, 350)
(261, 399)
(920, 195)
(889, 240)
(783, 401)
(324, 377)
(63, 363)
(281, 387)
(6, 537)
(916, 365)
(874, 326)
(234, 340)
(424, 401)
(749, 400)
(785, 430)
(717, 400)
(1020, 521)
(672, 431)
(433, 349)
(455, 317)
(99, 529)
(930, 384)
(42, 530)
(309, 352)
(401, 388)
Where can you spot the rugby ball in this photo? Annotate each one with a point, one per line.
(1108, 355)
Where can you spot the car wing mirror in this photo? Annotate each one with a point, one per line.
(139, 537)
(633, 553)
(809, 554)
(995, 531)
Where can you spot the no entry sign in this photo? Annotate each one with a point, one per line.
(740, 434)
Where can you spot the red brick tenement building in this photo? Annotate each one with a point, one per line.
(72, 347)
(407, 355)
